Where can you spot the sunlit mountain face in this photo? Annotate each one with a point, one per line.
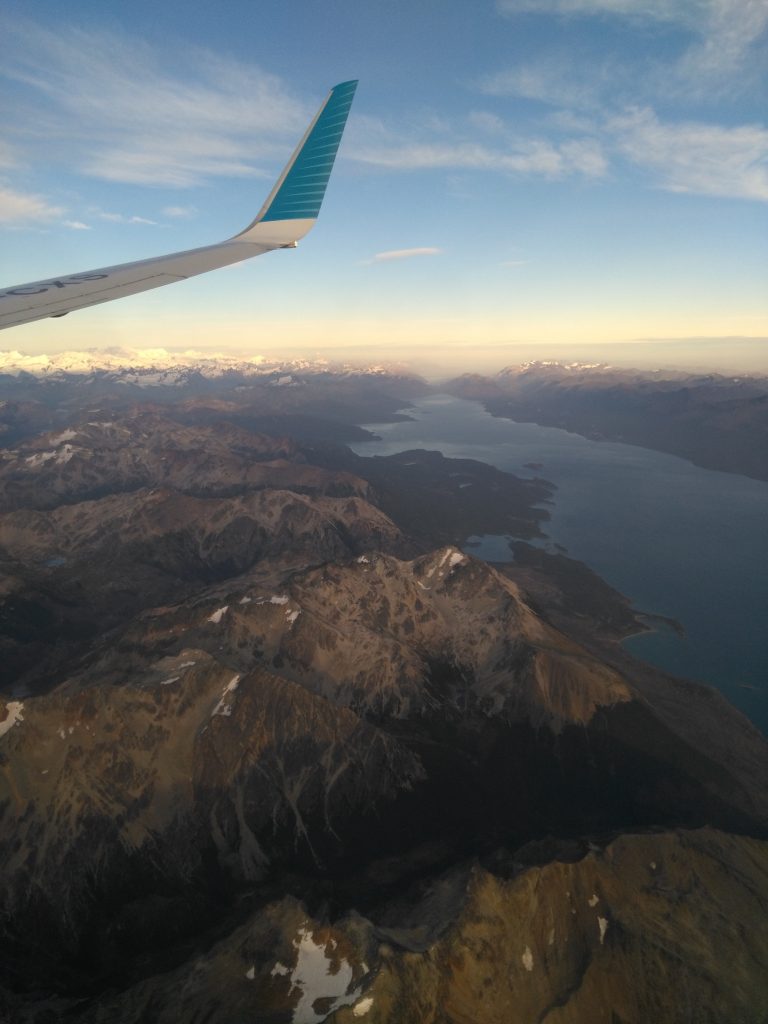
(278, 741)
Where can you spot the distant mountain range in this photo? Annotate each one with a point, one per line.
(298, 397)
(154, 366)
(715, 421)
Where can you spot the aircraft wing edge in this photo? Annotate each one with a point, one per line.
(65, 294)
(289, 212)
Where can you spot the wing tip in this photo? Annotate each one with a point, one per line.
(298, 194)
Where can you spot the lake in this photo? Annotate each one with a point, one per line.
(679, 541)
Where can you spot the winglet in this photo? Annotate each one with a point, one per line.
(293, 204)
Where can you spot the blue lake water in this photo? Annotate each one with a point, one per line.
(679, 541)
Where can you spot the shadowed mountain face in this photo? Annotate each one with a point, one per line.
(309, 401)
(267, 753)
(592, 933)
(716, 422)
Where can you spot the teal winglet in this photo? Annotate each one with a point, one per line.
(301, 191)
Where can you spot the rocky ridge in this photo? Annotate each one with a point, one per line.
(148, 450)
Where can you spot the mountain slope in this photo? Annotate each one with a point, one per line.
(716, 422)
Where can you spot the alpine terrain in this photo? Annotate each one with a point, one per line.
(276, 747)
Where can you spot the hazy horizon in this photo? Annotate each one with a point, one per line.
(727, 356)
(715, 355)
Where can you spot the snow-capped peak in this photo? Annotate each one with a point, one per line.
(158, 367)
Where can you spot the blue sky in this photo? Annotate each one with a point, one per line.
(518, 178)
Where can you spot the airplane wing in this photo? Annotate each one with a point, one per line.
(289, 212)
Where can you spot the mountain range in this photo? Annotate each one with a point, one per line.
(275, 746)
(715, 421)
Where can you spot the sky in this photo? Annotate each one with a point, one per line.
(518, 179)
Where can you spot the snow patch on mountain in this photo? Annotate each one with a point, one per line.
(65, 435)
(224, 707)
(13, 716)
(61, 457)
(318, 976)
(447, 561)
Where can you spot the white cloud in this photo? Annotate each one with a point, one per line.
(76, 225)
(26, 207)
(535, 157)
(555, 81)
(681, 156)
(685, 11)
(480, 141)
(728, 35)
(585, 156)
(181, 212)
(613, 103)
(696, 157)
(111, 106)
(121, 218)
(405, 254)
(723, 49)
(489, 123)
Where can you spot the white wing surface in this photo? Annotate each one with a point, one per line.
(288, 214)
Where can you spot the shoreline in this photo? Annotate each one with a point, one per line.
(655, 623)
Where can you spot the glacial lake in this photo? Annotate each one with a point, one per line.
(678, 540)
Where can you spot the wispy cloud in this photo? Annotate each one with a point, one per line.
(109, 105)
(405, 254)
(631, 110)
(490, 124)
(121, 218)
(724, 49)
(180, 212)
(678, 155)
(663, 10)
(557, 81)
(25, 207)
(698, 16)
(696, 157)
(728, 37)
(76, 225)
(534, 157)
